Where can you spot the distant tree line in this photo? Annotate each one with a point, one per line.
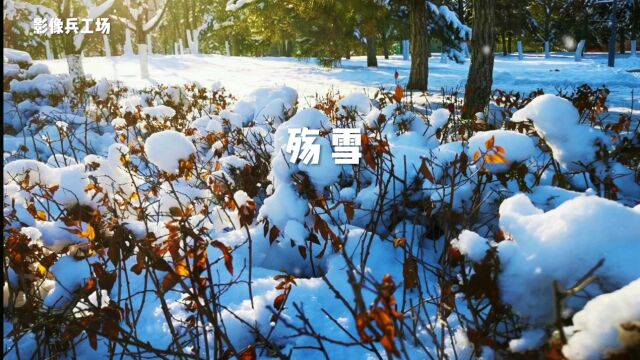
(331, 30)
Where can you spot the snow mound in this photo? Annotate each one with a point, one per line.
(562, 245)
(603, 326)
(13, 56)
(517, 147)
(557, 121)
(471, 245)
(439, 118)
(36, 69)
(277, 102)
(530, 340)
(69, 278)
(165, 149)
(160, 111)
(43, 85)
(356, 102)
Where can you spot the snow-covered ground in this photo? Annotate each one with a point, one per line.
(172, 215)
(241, 75)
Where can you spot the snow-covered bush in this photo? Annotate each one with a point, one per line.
(171, 221)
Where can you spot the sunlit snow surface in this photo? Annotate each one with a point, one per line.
(241, 75)
(552, 234)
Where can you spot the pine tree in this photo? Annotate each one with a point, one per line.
(427, 20)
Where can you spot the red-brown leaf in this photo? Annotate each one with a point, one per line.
(278, 302)
(228, 258)
(398, 94)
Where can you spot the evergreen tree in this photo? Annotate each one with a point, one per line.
(426, 21)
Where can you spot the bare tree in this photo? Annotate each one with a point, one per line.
(72, 42)
(142, 19)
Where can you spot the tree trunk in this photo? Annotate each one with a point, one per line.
(405, 49)
(74, 62)
(520, 51)
(372, 61)
(74, 57)
(6, 26)
(107, 45)
(47, 49)
(621, 42)
(635, 25)
(287, 48)
(579, 49)
(55, 46)
(509, 43)
(503, 37)
(443, 56)
(385, 46)
(235, 46)
(149, 44)
(128, 47)
(190, 42)
(547, 33)
(547, 50)
(143, 53)
(480, 79)
(419, 75)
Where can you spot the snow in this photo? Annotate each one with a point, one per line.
(267, 103)
(234, 5)
(97, 11)
(13, 56)
(241, 197)
(43, 85)
(242, 75)
(556, 120)
(11, 71)
(165, 149)
(517, 147)
(439, 118)
(35, 70)
(156, 17)
(66, 271)
(530, 340)
(598, 329)
(159, 111)
(472, 245)
(355, 102)
(562, 245)
(551, 233)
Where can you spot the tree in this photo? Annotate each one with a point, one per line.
(369, 15)
(547, 9)
(141, 18)
(427, 20)
(74, 43)
(512, 21)
(635, 26)
(480, 79)
(18, 17)
(418, 75)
